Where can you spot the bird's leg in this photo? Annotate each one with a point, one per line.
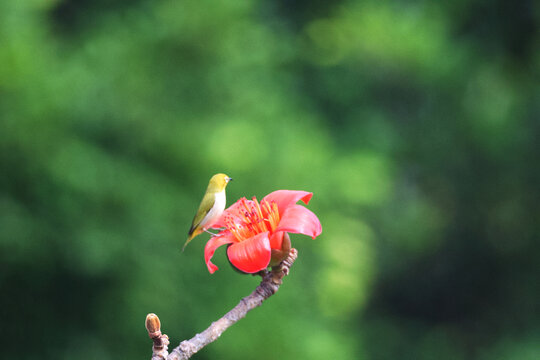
(208, 231)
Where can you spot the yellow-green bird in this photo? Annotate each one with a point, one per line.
(211, 208)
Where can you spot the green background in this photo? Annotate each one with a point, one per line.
(414, 123)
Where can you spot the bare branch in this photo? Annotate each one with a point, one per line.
(271, 281)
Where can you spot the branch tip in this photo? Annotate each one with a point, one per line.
(153, 325)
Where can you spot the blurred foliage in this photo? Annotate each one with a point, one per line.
(415, 124)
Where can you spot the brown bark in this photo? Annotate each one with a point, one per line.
(271, 281)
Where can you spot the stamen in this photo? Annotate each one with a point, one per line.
(252, 218)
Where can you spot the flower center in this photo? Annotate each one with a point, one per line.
(252, 218)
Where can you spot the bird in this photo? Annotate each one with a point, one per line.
(211, 207)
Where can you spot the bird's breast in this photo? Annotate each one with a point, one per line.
(216, 210)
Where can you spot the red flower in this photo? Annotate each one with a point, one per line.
(256, 231)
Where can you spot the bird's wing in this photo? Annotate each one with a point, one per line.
(206, 203)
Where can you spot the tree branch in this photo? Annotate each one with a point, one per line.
(271, 281)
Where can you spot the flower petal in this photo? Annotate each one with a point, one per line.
(299, 220)
(276, 240)
(212, 245)
(251, 255)
(286, 198)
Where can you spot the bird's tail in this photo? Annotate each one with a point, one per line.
(191, 235)
(187, 242)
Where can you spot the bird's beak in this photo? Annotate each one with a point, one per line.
(229, 179)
